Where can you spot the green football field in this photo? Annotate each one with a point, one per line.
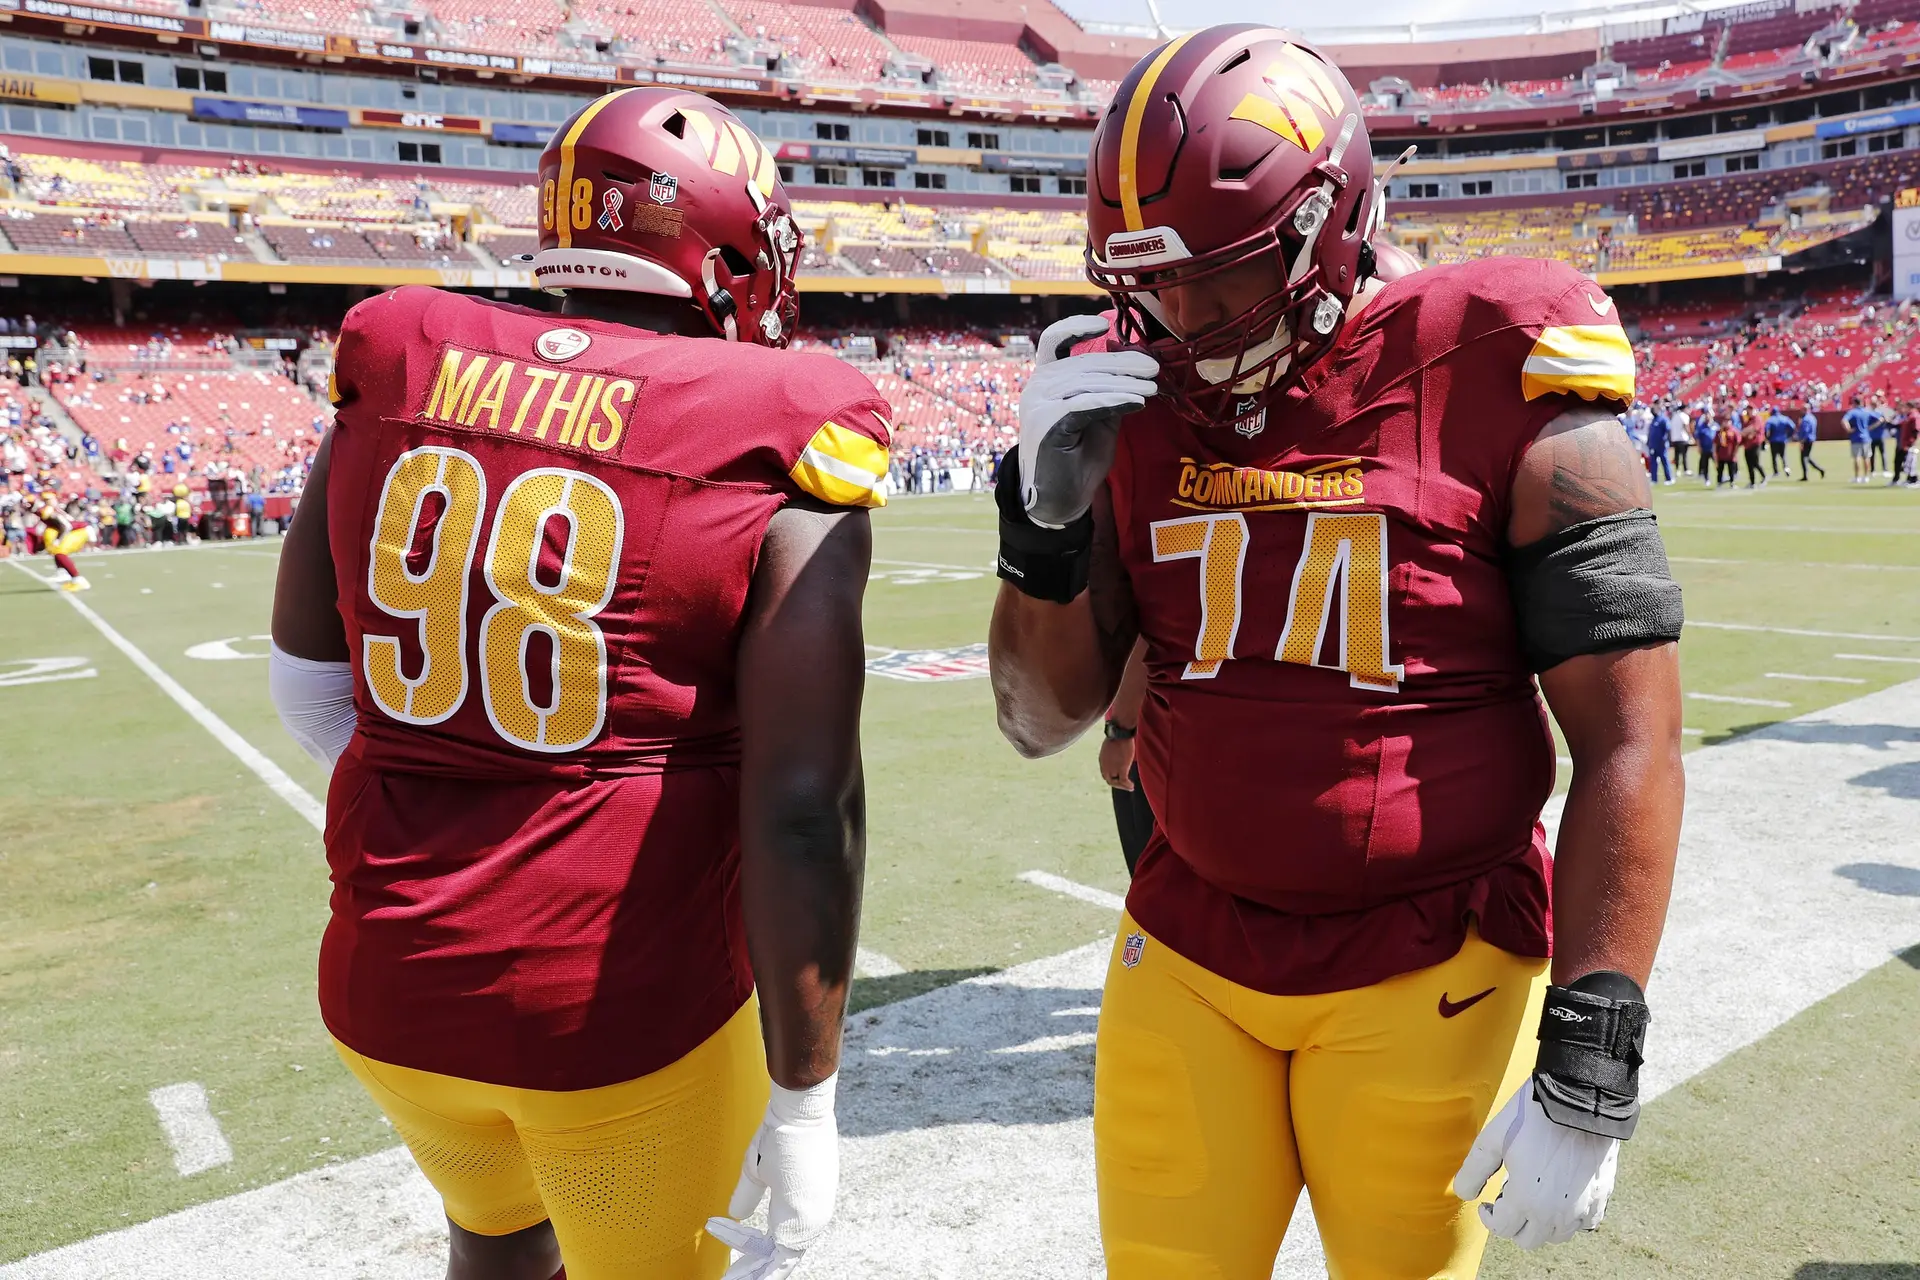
(160, 905)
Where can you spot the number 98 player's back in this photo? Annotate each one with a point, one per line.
(541, 607)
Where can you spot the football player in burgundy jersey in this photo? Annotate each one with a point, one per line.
(573, 607)
(1362, 519)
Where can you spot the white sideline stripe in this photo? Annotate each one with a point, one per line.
(967, 1162)
(1874, 657)
(871, 964)
(1789, 675)
(192, 1132)
(1802, 564)
(1743, 702)
(927, 564)
(1074, 889)
(1782, 528)
(268, 772)
(1799, 631)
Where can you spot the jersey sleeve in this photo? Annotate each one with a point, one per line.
(1578, 348)
(367, 352)
(844, 462)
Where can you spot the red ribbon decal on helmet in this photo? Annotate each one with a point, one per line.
(610, 202)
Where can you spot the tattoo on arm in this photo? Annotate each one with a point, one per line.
(1581, 466)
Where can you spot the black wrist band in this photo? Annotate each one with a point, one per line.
(1592, 1035)
(1117, 732)
(1047, 564)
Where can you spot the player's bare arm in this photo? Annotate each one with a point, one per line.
(802, 797)
(1620, 712)
(1599, 618)
(306, 620)
(1056, 667)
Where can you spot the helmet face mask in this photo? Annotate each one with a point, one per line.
(1260, 153)
(664, 192)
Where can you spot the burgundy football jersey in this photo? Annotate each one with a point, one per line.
(1341, 740)
(544, 530)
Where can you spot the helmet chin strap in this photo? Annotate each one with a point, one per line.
(714, 291)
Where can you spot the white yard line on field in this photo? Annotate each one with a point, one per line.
(871, 964)
(1800, 631)
(962, 1160)
(1789, 675)
(1875, 657)
(927, 564)
(192, 1132)
(1711, 526)
(1074, 889)
(1743, 702)
(268, 772)
(1800, 564)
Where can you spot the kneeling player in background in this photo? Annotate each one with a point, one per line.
(573, 605)
(1351, 521)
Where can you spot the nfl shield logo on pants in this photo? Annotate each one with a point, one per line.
(1130, 954)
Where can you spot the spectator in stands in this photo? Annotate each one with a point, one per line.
(1753, 434)
(1807, 433)
(1859, 422)
(1726, 450)
(1779, 430)
(1680, 435)
(1658, 426)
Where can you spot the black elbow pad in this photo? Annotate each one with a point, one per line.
(1594, 587)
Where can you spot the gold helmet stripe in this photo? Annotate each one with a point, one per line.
(563, 223)
(1130, 133)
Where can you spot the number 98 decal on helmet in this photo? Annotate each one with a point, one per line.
(662, 191)
(1235, 151)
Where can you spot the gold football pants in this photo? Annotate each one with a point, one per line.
(1215, 1104)
(628, 1174)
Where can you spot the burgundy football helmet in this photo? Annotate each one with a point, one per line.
(653, 190)
(1225, 146)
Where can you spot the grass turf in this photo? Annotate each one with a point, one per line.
(159, 908)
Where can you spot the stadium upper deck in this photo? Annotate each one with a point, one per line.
(1008, 58)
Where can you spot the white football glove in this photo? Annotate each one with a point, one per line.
(1070, 415)
(795, 1160)
(1558, 1179)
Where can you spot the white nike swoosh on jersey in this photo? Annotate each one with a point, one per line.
(1600, 305)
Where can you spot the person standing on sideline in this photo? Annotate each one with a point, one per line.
(1779, 429)
(1877, 437)
(1903, 459)
(1680, 435)
(1859, 439)
(1707, 438)
(1806, 434)
(1132, 812)
(1657, 428)
(1726, 451)
(1752, 435)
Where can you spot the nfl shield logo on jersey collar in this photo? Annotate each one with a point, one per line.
(664, 188)
(1249, 419)
(1130, 953)
(561, 345)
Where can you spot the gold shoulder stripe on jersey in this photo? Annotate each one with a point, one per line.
(842, 467)
(333, 389)
(1587, 360)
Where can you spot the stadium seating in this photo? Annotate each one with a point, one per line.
(527, 25)
(975, 66)
(78, 233)
(824, 43)
(688, 31)
(340, 17)
(244, 419)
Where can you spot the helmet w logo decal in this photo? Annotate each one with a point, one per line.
(663, 191)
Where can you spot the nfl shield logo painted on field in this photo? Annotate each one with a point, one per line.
(663, 188)
(1130, 954)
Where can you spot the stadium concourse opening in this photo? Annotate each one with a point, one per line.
(194, 193)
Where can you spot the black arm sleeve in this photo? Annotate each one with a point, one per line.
(1594, 587)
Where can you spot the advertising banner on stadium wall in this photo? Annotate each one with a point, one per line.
(239, 112)
(28, 88)
(1906, 250)
(884, 157)
(431, 121)
(1001, 162)
(1718, 144)
(94, 16)
(268, 37)
(522, 135)
(1867, 124)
